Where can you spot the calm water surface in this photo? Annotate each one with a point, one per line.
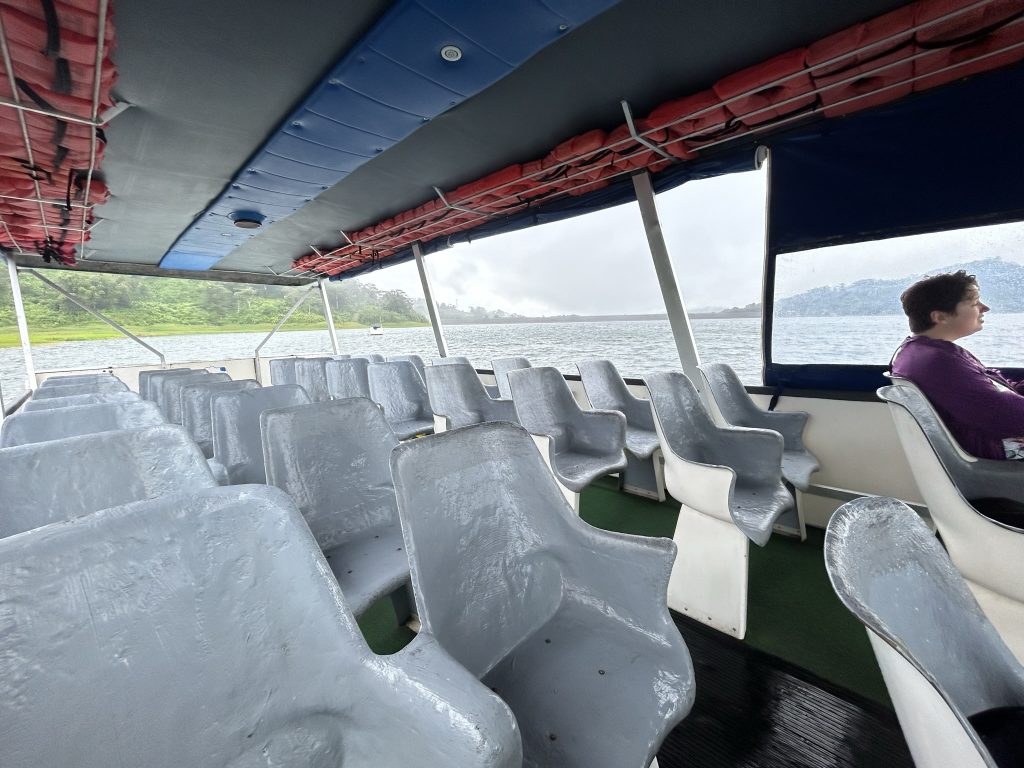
(634, 346)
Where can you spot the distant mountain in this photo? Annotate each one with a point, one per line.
(1002, 288)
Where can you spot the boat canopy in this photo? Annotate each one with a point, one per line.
(286, 144)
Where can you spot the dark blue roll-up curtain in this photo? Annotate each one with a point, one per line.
(943, 159)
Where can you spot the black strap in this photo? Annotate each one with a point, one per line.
(775, 397)
(52, 29)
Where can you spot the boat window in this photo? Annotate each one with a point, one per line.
(714, 229)
(840, 305)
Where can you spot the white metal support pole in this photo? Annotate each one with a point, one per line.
(329, 316)
(428, 297)
(677, 317)
(19, 313)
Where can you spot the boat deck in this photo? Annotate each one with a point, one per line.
(803, 687)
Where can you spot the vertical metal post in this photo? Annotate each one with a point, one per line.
(677, 317)
(328, 315)
(428, 297)
(19, 313)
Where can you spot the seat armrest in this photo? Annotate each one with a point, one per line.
(596, 430)
(489, 734)
(991, 478)
(789, 424)
(754, 454)
(501, 409)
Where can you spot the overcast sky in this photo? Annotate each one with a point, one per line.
(599, 264)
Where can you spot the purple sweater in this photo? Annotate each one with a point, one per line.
(964, 393)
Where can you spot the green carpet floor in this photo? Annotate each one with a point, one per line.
(792, 611)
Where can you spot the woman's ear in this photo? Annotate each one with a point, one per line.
(938, 317)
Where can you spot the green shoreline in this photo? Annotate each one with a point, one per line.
(94, 331)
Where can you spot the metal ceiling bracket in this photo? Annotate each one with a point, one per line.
(306, 294)
(428, 297)
(638, 138)
(328, 315)
(19, 314)
(71, 297)
(454, 207)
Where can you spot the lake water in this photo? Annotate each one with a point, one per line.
(634, 346)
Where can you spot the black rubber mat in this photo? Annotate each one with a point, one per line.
(757, 711)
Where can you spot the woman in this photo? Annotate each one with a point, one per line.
(982, 408)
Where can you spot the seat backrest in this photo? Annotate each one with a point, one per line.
(311, 375)
(64, 390)
(607, 389)
(237, 443)
(56, 424)
(282, 371)
(684, 421)
(147, 378)
(416, 360)
(544, 404)
(42, 483)
(455, 391)
(348, 378)
(371, 357)
(730, 395)
(399, 390)
(197, 413)
(501, 367)
(483, 522)
(451, 360)
(206, 630)
(332, 459)
(50, 403)
(81, 378)
(170, 398)
(891, 572)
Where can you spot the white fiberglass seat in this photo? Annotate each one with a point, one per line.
(95, 387)
(80, 378)
(370, 357)
(644, 474)
(398, 389)
(197, 412)
(332, 459)
(282, 371)
(729, 483)
(564, 621)
(311, 375)
(43, 483)
(237, 441)
(579, 446)
(150, 382)
(451, 360)
(732, 405)
(416, 360)
(458, 398)
(69, 400)
(171, 396)
(956, 488)
(348, 378)
(501, 367)
(205, 630)
(56, 424)
(957, 688)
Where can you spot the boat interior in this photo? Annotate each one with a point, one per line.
(342, 559)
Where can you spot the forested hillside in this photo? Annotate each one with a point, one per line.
(143, 302)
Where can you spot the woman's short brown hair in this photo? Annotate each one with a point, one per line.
(938, 293)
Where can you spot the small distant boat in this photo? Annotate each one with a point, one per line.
(376, 330)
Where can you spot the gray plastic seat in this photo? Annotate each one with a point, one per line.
(80, 378)
(451, 360)
(197, 413)
(579, 446)
(170, 397)
(64, 390)
(332, 460)
(952, 680)
(728, 481)
(237, 443)
(56, 424)
(370, 357)
(311, 375)
(416, 360)
(205, 631)
(147, 378)
(501, 367)
(282, 371)
(737, 408)
(607, 390)
(458, 398)
(957, 488)
(400, 391)
(564, 621)
(348, 378)
(50, 403)
(58, 480)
